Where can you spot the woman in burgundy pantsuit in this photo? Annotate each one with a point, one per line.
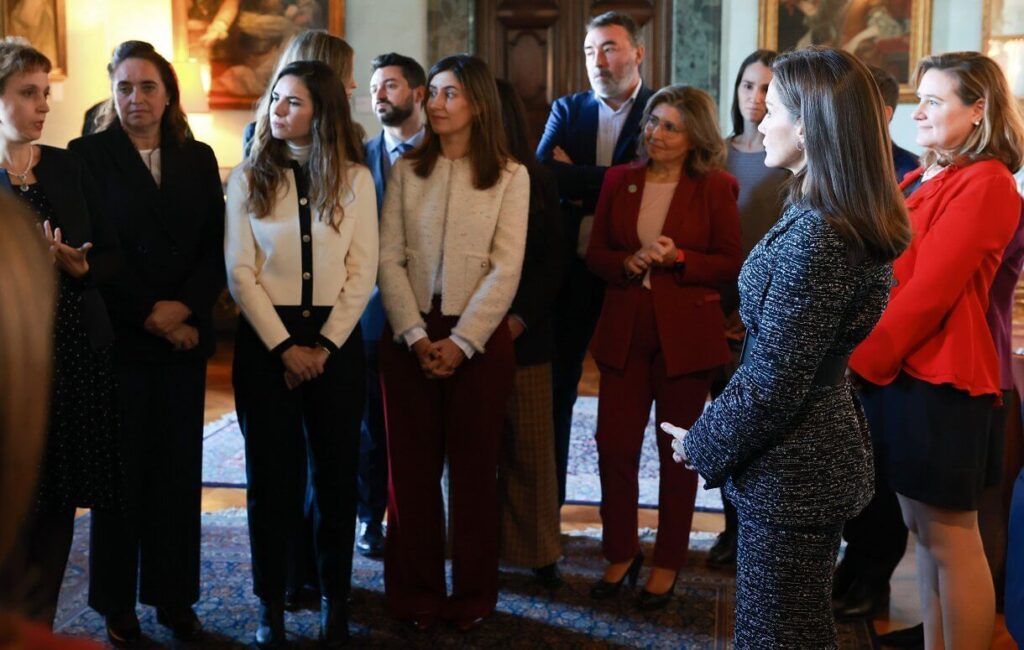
(666, 234)
(453, 236)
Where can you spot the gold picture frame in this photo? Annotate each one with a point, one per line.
(1005, 42)
(238, 47)
(41, 23)
(895, 40)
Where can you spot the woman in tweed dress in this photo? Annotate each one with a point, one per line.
(787, 438)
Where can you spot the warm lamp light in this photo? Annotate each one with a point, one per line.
(193, 95)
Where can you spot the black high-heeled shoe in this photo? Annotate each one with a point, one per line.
(648, 601)
(603, 589)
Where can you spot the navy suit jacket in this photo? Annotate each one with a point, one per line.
(904, 161)
(373, 319)
(572, 125)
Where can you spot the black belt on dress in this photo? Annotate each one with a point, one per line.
(831, 371)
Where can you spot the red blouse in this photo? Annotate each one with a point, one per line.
(934, 328)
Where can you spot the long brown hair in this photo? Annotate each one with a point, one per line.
(336, 144)
(853, 185)
(173, 123)
(1001, 132)
(310, 45)
(697, 110)
(488, 152)
(27, 291)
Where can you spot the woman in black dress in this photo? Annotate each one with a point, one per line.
(80, 465)
(162, 191)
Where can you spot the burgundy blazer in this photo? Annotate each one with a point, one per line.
(703, 220)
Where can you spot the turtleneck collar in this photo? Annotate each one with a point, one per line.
(299, 154)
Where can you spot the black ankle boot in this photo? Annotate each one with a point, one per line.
(270, 633)
(333, 623)
(123, 628)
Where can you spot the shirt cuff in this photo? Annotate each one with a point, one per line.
(413, 334)
(464, 345)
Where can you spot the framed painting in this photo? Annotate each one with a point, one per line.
(890, 34)
(41, 23)
(1003, 39)
(238, 41)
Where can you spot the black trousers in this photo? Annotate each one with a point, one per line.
(876, 539)
(318, 421)
(576, 312)
(31, 576)
(153, 548)
(373, 448)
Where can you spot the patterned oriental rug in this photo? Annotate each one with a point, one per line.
(224, 460)
(700, 616)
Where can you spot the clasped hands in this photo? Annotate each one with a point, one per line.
(167, 320)
(660, 252)
(303, 363)
(438, 359)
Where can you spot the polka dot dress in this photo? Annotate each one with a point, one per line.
(81, 463)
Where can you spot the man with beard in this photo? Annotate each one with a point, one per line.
(586, 133)
(397, 89)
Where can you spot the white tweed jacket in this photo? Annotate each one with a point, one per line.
(441, 235)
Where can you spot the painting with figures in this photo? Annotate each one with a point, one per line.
(240, 40)
(890, 34)
(41, 23)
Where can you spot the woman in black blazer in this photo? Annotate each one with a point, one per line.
(80, 467)
(162, 191)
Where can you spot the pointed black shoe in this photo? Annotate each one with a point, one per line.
(603, 590)
(123, 628)
(861, 601)
(270, 632)
(333, 623)
(649, 602)
(182, 621)
(548, 576)
(723, 553)
(370, 539)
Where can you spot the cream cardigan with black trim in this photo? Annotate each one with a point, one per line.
(479, 235)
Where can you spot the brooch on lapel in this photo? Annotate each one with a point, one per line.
(632, 188)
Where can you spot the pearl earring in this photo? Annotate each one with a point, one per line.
(978, 123)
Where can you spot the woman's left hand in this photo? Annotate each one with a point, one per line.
(70, 260)
(447, 357)
(663, 251)
(678, 450)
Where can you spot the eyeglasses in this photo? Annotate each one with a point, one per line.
(653, 123)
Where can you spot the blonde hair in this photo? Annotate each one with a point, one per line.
(16, 55)
(707, 147)
(28, 292)
(310, 45)
(1000, 135)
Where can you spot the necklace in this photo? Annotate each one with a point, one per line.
(22, 185)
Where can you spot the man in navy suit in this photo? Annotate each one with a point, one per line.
(398, 89)
(586, 133)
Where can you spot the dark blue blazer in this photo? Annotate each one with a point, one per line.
(572, 125)
(373, 319)
(905, 161)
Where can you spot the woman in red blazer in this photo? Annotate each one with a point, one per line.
(666, 234)
(931, 371)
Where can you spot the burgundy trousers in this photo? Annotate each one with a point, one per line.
(426, 420)
(622, 412)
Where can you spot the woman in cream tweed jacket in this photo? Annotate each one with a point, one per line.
(453, 236)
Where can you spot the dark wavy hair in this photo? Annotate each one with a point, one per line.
(835, 97)
(336, 144)
(173, 123)
(766, 57)
(488, 151)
